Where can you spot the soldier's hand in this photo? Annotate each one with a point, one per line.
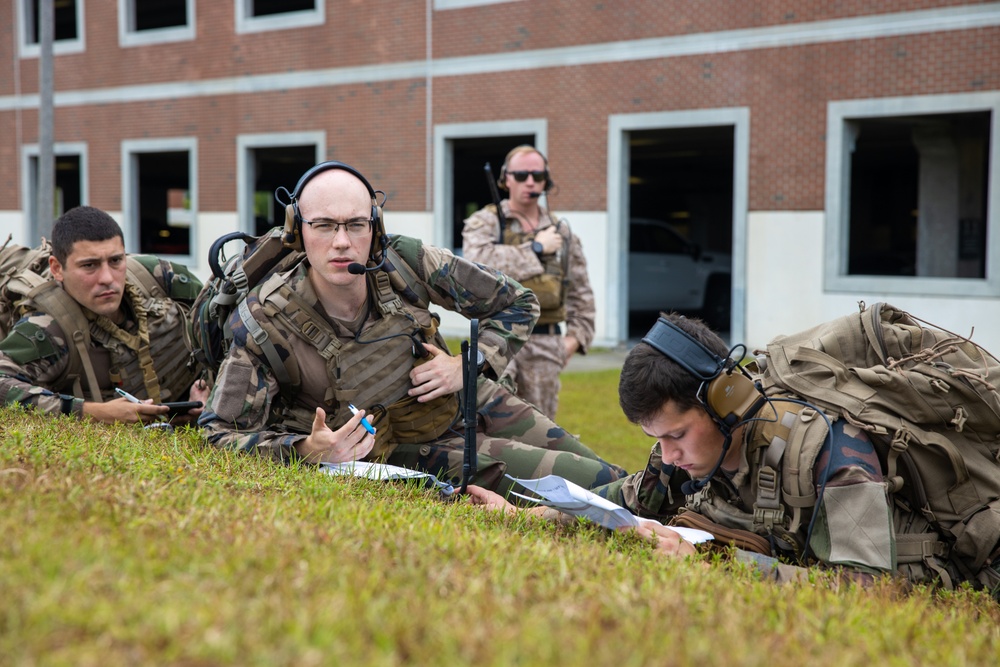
(667, 542)
(550, 239)
(123, 410)
(489, 499)
(350, 442)
(199, 392)
(439, 376)
(570, 346)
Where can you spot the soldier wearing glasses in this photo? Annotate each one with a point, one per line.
(350, 325)
(539, 251)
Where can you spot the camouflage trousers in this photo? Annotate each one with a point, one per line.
(535, 372)
(511, 438)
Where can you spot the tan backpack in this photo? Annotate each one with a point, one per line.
(929, 401)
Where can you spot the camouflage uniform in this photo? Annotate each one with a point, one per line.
(35, 356)
(535, 370)
(854, 528)
(250, 410)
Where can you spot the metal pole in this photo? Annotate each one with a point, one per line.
(46, 121)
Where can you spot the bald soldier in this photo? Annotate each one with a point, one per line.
(351, 326)
(541, 252)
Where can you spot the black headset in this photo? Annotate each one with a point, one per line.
(292, 237)
(727, 391)
(502, 178)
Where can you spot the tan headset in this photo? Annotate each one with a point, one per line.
(727, 391)
(292, 237)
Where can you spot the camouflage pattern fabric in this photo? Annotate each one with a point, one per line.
(245, 410)
(36, 351)
(535, 372)
(853, 529)
(512, 438)
(479, 244)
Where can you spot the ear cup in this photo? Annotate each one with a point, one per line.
(293, 220)
(292, 237)
(731, 396)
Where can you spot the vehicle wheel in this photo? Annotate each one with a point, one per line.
(718, 302)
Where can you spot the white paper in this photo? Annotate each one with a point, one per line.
(565, 496)
(382, 472)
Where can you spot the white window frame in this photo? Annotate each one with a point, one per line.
(245, 23)
(29, 183)
(459, 4)
(128, 36)
(130, 148)
(59, 47)
(838, 180)
(245, 176)
(619, 128)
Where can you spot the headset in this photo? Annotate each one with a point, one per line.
(292, 237)
(523, 148)
(728, 393)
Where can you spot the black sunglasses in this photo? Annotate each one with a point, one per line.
(522, 176)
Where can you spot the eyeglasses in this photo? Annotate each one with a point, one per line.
(329, 228)
(522, 176)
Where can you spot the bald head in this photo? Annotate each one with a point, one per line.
(334, 190)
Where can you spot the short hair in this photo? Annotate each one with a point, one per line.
(521, 150)
(82, 223)
(649, 378)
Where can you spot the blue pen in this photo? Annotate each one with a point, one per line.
(364, 420)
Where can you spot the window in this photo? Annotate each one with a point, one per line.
(159, 194)
(266, 162)
(911, 206)
(70, 182)
(155, 21)
(67, 26)
(261, 15)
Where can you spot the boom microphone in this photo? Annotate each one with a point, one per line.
(534, 195)
(360, 269)
(693, 486)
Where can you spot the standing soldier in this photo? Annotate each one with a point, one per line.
(541, 252)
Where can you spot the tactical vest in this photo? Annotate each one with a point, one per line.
(781, 451)
(371, 373)
(154, 363)
(550, 286)
(782, 455)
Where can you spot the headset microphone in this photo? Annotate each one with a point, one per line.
(359, 269)
(693, 486)
(534, 195)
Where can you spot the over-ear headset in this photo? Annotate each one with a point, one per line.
(523, 148)
(292, 237)
(727, 391)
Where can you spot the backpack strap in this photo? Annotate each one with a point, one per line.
(52, 299)
(140, 275)
(263, 340)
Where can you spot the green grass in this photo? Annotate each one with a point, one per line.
(121, 547)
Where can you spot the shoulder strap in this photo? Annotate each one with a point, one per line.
(141, 276)
(52, 299)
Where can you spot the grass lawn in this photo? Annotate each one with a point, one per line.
(123, 547)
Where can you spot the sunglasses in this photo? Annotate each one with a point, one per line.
(522, 176)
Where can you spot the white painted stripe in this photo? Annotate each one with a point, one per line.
(782, 36)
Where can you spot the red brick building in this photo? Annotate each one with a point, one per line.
(823, 152)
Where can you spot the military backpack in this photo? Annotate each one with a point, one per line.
(929, 401)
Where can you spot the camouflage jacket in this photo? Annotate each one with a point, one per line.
(36, 353)
(853, 529)
(479, 244)
(245, 410)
